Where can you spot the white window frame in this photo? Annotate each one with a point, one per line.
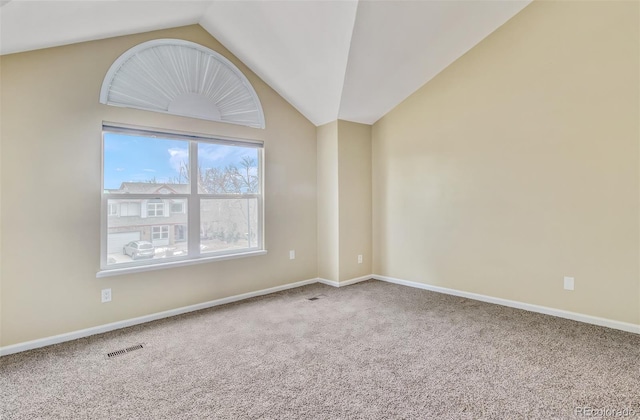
(180, 203)
(194, 255)
(164, 232)
(155, 205)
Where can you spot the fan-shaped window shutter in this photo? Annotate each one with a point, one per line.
(182, 78)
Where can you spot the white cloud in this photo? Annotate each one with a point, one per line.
(119, 169)
(213, 155)
(212, 152)
(178, 157)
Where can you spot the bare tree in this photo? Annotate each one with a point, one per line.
(231, 180)
(248, 175)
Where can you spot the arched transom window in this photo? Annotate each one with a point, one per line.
(182, 78)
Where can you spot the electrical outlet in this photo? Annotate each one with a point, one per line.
(292, 254)
(569, 283)
(359, 259)
(106, 295)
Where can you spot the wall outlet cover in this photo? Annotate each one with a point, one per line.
(569, 283)
(105, 295)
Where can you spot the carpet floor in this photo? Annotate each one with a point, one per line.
(372, 350)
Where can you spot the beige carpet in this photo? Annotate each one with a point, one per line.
(368, 351)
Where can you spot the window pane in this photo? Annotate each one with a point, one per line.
(129, 209)
(228, 224)
(224, 169)
(144, 165)
(137, 237)
(147, 178)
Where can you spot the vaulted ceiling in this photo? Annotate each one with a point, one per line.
(350, 60)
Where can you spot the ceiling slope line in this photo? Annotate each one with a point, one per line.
(346, 68)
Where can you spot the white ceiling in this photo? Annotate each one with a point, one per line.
(331, 60)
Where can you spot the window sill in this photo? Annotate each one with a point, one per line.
(139, 269)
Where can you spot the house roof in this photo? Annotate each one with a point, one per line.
(151, 188)
(350, 60)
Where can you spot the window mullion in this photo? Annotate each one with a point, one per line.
(261, 198)
(194, 202)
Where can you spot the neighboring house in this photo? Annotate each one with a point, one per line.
(161, 221)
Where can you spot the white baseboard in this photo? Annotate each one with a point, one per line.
(346, 282)
(47, 341)
(356, 280)
(603, 322)
(328, 282)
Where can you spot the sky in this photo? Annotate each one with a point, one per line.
(130, 158)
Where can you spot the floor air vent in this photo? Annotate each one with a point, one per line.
(124, 351)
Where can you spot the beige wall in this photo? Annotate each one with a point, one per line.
(354, 173)
(518, 165)
(328, 214)
(51, 153)
(514, 167)
(344, 200)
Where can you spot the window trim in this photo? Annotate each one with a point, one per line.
(155, 205)
(172, 264)
(194, 255)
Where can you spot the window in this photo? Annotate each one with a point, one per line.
(177, 207)
(155, 209)
(112, 210)
(182, 78)
(159, 232)
(147, 179)
(129, 209)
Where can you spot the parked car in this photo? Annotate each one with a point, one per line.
(139, 249)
